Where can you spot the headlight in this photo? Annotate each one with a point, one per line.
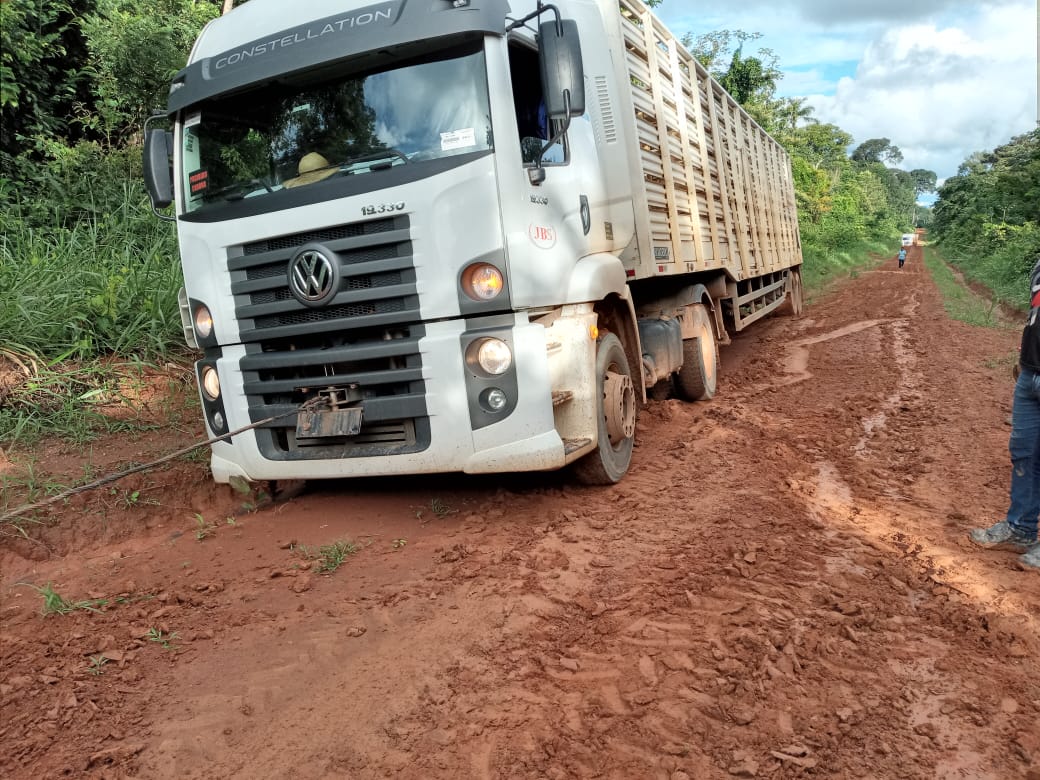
(203, 322)
(494, 356)
(210, 383)
(482, 282)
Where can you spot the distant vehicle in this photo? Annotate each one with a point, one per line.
(909, 239)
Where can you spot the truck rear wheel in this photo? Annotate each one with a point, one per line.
(615, 419)
(794, 289)
(698, 377)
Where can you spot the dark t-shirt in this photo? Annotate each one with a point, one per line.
(1031, 335)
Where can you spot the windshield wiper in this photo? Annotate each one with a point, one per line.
(237, 190)
(381, 154)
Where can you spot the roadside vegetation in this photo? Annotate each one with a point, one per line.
(959, 300)
(90, 276)
(987, 218)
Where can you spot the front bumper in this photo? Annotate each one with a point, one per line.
(525, 440)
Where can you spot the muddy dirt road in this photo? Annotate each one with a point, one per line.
(780, 588)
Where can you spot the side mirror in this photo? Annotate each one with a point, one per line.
(158, 167)
(563, 77)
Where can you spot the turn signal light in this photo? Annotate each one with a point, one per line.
(482, 282)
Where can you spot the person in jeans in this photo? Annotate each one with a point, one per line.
(902, 256)
(1019, 530)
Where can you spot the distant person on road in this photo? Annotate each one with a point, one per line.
(902, 256)
(1018, 531)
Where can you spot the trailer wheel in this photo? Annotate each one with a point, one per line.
(698, 377)
(616, 418)
(794, 289)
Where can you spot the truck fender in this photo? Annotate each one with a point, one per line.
(595, 277)
(695, 293)
(617, 314)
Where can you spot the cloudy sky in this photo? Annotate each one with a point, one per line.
(940, 78)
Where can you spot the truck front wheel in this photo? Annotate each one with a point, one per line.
(698, 377)
(615, 418)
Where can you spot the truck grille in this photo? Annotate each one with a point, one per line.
(365, 342)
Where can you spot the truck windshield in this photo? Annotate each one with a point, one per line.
(258, 143)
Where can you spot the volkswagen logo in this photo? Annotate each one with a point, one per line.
(313, 277)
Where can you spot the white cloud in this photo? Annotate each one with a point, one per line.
(940, 78)
(941, 94)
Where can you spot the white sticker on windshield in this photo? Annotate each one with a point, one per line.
(458, 139)
(193, 119)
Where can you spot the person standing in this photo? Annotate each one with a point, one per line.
(902, 256)
(1018, 531)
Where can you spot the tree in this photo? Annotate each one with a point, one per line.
(821, 145)
(877, 150)
(128, 85)
(924, 180)
(749, 78)
(42, 56)
(714, 48)
(791, 111)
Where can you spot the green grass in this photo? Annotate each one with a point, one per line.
(105, 281)
(55, 604)
(163, 639)
(63, 398)
(821, 267)
(329, 556)
(960, 302)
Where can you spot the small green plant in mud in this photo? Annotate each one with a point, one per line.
(437, 507)
(1005, 363)
(203, 530)
(399, 543)
(56, 604)
(329, 556)
(255, 495)
(162, 638)
(97, 665)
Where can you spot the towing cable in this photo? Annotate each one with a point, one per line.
(308, 406)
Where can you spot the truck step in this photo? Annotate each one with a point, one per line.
(573, 445)
(561, 397)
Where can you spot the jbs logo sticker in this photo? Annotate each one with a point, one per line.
(660, 253)
(542, 236)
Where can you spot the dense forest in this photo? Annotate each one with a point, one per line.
(987, 217)
(88, 271)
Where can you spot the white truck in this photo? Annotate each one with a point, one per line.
(459, 235)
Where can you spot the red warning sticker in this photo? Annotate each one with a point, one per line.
(198, 181)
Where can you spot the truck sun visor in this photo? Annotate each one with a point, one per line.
(333, 38)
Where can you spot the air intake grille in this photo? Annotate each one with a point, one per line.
(364, 344)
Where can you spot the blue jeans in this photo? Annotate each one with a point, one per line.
(1024, 446)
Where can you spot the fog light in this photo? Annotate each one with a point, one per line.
(494, 356)
(210, 383)
(203, 322)
(495, 399)
(218, 421)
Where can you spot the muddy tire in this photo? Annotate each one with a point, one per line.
(285, 489)
(697, 380)
(615, 419)
(795, 302)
